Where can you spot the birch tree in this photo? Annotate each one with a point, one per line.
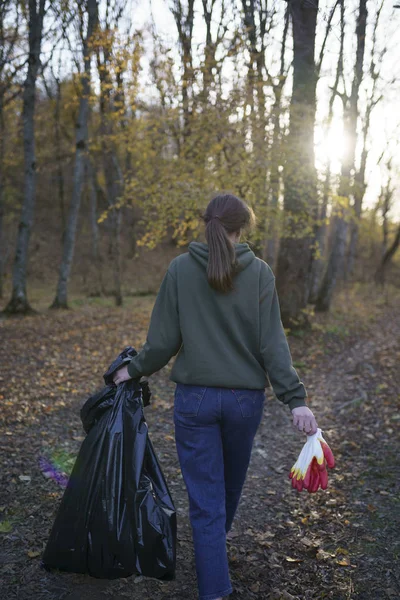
(61, 298)
(19, 300)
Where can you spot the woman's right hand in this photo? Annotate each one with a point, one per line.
(304, 420)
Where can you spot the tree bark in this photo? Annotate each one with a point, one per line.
(9, 89)
(59, 177)
(96, 255)
(19, 300)
(117, 220)
(320, 240)
(340, 227)
(60, 174)
(386, 198)
(2, 150)
(114, 177)
(61, 299)
(380, 272)
(299, 171)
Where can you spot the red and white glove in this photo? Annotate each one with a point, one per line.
(309, 470)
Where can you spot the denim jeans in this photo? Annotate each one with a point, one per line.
(214, 433)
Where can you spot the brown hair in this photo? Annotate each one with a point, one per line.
(224, 214)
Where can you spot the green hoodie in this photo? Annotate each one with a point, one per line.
(233, 339)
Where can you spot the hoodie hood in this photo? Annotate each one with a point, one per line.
(244, 254)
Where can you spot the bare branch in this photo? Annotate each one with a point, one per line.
(327, 30)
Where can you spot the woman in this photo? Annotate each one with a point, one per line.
(217, 308)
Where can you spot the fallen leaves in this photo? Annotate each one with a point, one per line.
(275, 537)
(322, 555)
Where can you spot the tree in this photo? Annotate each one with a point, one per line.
(258, 23)
(341, 223)
(275, 153)
(61, 299)
(19, 300)
(211, 64)
(321, 226)
(386, 258)
(300, 197)
(9, 89)
(359, 183)
(112, 117)
(184, 23)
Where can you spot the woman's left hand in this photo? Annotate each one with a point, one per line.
(121, 375)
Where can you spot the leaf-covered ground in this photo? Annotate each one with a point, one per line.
(342, 543)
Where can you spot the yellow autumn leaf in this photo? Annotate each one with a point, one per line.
(341, 550)
(290, 559)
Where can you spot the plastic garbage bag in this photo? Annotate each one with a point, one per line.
(309, 471)
(116, 517)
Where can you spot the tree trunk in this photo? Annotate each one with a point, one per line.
(320, 241)
(117, 218)
(59, 160)
(360, 186)
(2, 151)
(359, 192)
(184, 24)
(351, 113)
(380, 272)
(386, 200)
(209, 53)
(339, 243)
(112, 172)
(299, 172)
(320, 238)
(276, 158)
(99, 288)
(61, 301)
(19, 300)
(255, 22)
(114, 187)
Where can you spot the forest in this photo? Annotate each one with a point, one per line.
(119, 121)
(115, 135)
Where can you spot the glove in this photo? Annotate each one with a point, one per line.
(309, 470)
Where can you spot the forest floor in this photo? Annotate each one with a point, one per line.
(342, 543)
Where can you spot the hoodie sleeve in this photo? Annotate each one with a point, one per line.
(164, 335)
(275, 351)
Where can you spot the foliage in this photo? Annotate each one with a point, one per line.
(178, 134)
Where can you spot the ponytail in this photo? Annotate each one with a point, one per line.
(224, 214)
(221, 256)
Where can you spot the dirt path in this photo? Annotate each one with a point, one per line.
(340, 544)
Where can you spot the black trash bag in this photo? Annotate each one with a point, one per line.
(116, 517)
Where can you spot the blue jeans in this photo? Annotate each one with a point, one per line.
(214, 433)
